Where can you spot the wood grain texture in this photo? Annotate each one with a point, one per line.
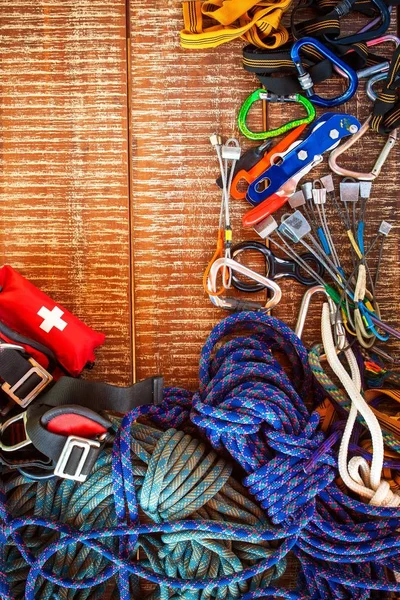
(64, 161)
(179, 98)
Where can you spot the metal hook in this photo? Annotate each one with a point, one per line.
(305, 78)
(236, 303)
(261, 94)
(369, 88)
(336, 320)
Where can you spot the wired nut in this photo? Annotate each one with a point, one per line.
(295, 227)
(215, 139)
(384, 228)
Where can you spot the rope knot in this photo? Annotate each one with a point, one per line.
(303, 466)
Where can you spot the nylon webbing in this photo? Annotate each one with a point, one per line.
(327, 22)
(256, 22)
(353, 50)
(386, 111)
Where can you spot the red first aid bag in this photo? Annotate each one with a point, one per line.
(31, 313)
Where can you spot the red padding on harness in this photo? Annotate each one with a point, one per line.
(72, 424)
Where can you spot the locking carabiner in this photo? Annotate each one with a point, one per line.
(261, 94)
(380, 161)
(305, 78)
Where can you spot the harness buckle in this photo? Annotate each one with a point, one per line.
(15, 430)
(36, 369)
(75, 443)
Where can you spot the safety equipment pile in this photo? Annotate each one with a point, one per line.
(207, 495)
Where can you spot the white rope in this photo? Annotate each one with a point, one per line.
(357, 474)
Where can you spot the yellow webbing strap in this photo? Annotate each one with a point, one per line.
(256, 22)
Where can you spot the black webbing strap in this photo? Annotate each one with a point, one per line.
(18, 338)
(265, 63)
(275, 68)
(99, 396)
(277, 72)
(14, 367)
(386, 110)
(79, 397)
(326, 25)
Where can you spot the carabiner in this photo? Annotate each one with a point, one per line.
(261, 94)
(366, 315)
(366, 33)
(369, 88)
(380, 161)
(305, 78)
(336, 320)
(236, 303)
(382, 67)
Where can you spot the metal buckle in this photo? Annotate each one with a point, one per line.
(6, 425)
(71, 443)
(36, 369)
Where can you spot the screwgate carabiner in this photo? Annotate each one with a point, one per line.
(305, 78)
(261, 94)
(380, 161)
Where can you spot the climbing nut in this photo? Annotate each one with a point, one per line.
(334, 134)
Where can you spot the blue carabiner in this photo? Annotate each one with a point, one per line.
(305, 78)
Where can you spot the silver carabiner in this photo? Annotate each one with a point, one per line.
(336, 319)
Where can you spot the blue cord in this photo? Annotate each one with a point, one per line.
(252, 411)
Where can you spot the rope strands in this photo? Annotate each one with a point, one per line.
(175, 477)
(216, 489)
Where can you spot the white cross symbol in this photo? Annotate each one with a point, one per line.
(52, 318)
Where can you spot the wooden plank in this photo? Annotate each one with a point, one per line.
(64, 161)
(179, 98)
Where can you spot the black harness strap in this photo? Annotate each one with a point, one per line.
(71, 456)
(386, 110)
(275, 68)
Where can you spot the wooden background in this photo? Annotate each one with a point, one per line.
(108, 201)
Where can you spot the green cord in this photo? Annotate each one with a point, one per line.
(261, 94)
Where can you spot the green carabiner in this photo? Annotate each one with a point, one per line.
(261, 94)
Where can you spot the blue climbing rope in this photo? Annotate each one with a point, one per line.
(170, 489)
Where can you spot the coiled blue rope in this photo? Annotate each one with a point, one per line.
(252, 411)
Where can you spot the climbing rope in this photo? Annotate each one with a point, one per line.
(213, 489)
